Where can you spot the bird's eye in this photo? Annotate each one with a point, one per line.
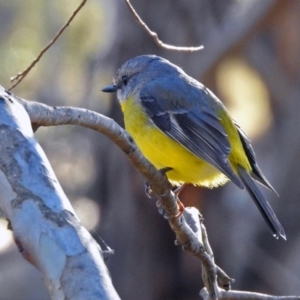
(125, 79)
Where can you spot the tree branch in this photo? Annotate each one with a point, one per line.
(154, 34)
(45, 227)
(20, 76)
(44, 115)
(189, 228)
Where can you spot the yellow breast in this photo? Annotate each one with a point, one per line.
(162, 151)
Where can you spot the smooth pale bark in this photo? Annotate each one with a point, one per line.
(44, 225)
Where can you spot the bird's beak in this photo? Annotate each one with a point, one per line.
(110, 89)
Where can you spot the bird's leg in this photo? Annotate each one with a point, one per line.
(180, 205)
(178, 189)
(148, 192)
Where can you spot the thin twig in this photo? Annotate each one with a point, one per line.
(20, 76)
(242, 295)
(154, 34)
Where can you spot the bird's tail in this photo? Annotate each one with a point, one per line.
(262, 204)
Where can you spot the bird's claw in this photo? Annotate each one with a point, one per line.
(149, 192)
(147, 187)
(165, 170)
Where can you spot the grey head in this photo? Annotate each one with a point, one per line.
(134, 74)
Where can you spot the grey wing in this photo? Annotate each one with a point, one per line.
(180, 113)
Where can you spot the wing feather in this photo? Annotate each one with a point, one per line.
(191, 122)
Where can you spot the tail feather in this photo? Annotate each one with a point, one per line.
(262, 204)
(256, 172)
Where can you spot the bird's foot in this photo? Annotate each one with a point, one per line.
(149, 192)
(147, 186)
(180, 207)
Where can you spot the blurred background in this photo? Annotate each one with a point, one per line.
(251, 60)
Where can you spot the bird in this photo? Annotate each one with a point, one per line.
(180, 125)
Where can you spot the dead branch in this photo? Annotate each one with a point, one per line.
(20, 76)
(155, 36)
